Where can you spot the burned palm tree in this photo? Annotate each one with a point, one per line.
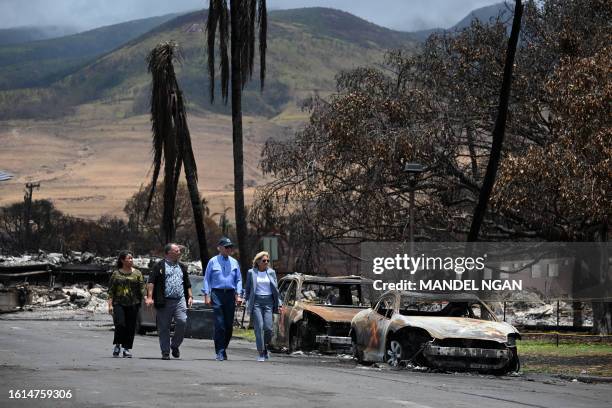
(500, 127)
(239, 21)
(172, 142)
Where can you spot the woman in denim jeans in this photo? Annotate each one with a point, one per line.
(261, 293)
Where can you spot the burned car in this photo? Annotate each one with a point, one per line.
(453, 331)
(317, 311)
(200, 318)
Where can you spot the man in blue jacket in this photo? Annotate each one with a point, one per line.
(223, 289)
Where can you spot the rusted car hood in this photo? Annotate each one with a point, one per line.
(333, 314)
(458, 327)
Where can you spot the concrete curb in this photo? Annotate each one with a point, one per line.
(589, 379)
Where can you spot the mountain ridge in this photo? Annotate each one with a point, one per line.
(297, 39)
(45, 61)
(484, 14)
(307, 47)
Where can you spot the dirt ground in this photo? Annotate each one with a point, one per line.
(570, 365)
(90, 164)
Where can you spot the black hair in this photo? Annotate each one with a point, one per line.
(121, 257)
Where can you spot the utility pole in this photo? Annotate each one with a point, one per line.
(27, 213)
(413, 170)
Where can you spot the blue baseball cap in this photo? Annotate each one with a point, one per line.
(225, 242)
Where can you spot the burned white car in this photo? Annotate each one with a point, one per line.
(447, 331)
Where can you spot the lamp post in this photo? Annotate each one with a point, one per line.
(413, 170)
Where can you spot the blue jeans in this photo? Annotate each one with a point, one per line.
(177, 309)
(262, 321)
(224, 305)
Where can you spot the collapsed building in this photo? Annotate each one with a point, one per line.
(63, 281)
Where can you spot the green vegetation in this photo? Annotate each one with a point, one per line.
(245, 334)
(40, 63)
(569, 358)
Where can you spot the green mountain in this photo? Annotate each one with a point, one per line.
(306, 49)
(40, 63)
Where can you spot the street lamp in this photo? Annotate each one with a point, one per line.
(413, 170)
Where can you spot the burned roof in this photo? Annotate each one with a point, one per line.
(352, 279)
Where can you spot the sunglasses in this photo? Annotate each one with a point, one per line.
(265, 260)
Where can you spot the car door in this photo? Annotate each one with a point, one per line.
(280, 334)
(377, 324)
(286, 316)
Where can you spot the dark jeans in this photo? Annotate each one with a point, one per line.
(262, 321)
(124, 318)
(173, 309)
(224, 304)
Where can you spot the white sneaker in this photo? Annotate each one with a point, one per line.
(116, 350)
(127, 353)
(261, 357)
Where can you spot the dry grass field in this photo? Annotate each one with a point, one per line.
(91, 163)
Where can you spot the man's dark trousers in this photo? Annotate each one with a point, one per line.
(224, 304)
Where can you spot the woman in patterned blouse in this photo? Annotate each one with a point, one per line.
(125, 293)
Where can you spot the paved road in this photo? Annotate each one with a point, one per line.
(77, 356)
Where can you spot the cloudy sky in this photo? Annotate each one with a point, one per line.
(407, 15)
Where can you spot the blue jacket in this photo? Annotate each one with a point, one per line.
(251, 285)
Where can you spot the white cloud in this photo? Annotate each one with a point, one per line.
(405, 15)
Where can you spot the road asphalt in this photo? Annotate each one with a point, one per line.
(77, 356)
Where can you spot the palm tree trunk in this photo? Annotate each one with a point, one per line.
(196, 205)
(236, 73)
(499, 130)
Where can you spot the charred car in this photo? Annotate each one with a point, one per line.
(447, 331)
(200, 319)
(317, 311)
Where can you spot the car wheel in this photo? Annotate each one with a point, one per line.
(139, 329)
(513, 366)
(302, 337)
(394, 353)
(295, 340)
(357, 354)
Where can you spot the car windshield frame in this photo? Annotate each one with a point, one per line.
(333, 294)
(411, 306)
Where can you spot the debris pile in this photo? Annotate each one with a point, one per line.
(535, 309)
(70, 298)
(57, 260)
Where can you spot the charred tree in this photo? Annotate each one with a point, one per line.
(500, 128)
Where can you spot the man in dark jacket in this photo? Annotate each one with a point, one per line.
(169, 289)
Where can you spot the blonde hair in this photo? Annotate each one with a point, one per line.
(259, 256)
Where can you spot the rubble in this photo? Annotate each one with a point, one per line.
(66, 300)
(534, 309)
(54, 259)
(70, 298)
(63, 285)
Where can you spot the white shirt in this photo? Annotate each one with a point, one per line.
(263, 284)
